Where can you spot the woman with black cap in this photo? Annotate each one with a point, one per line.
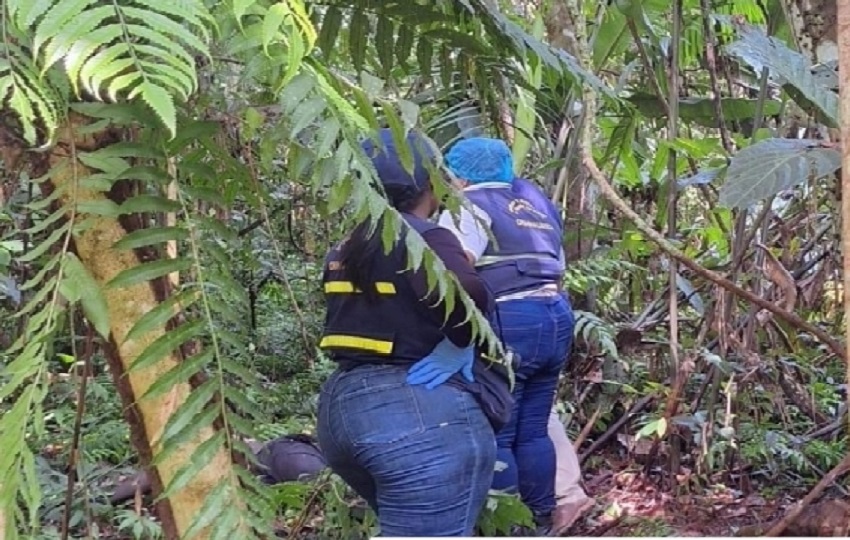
(422, 453)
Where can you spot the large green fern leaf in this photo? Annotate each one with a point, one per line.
(121, 48)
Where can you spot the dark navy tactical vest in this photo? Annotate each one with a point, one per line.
(524, 223)
(398, 327)
(394, 327)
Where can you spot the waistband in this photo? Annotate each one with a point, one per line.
(547, 290)
(347, 364)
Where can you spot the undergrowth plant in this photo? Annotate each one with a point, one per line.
(122, 112)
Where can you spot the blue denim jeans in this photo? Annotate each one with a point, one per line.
(540, 330)
(423, 459)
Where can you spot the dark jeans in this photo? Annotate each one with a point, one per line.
(422, 459)
(540, 330)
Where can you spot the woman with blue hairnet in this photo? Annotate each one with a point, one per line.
(523, 266)
(408, 418)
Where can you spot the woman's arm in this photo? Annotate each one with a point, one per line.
(448, 248)
(469, 230)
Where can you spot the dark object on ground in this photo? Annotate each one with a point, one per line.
(291, 458)
(285, 459)
(829, 518)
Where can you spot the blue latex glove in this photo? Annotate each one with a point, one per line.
(444, 361)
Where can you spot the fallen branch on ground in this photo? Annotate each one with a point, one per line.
(615, 427)
(825, 519)
(826, 481)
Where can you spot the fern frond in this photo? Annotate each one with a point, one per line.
(209, 302)
(27, 95)
(449, 29)
(598, 271)
(591, 329)
(365, 202)
(24, 377)
(140, 48)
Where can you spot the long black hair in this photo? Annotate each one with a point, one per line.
(362, 250)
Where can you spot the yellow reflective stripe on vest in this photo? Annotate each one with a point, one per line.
(343, 287)
(357, 342)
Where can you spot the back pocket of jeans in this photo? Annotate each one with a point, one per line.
(524, 339)
(380, 414)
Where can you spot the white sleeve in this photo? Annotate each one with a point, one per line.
(471, 233)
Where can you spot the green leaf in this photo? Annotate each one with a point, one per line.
(240, 8)
(364, 106)
(295, 92)
(92, 299)
(41, 249)
(148, 271)
(213, 506)
(760, 51)
(456, 39)
(399, 134)
(339, 195)
(99, 207)
(384, 37)
(124, 149)
(187, 413)
(253, 121)
(149, 203)
(271, 24)
(307, 114)
(661, 428)
(372, 86)
(167, 343)
(512, 36)
(71, 34)
(446, 68)
(151, 237)
(404, 43)
(328, 134)
(200, 459)
(389, 233)
(611, 38)
(331, 24)
(652, 428)
(425, 58)
(70, 290)
(207, 194)
(178, 374)
(147, 174)
(59, 15)
(162, 104)
(701, 110)
(158, 316)
(357, 39)
(191, 132)
(774, 165)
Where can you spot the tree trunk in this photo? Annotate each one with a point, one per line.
(579, 199)
(147, 417)
(843, 48)
(814, 25)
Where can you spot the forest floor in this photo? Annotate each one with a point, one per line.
(630, 503)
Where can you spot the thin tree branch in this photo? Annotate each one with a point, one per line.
(260, 221)
(623, 207)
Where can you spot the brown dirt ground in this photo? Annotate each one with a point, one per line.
(632, 504)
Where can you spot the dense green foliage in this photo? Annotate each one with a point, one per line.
(253, 111)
